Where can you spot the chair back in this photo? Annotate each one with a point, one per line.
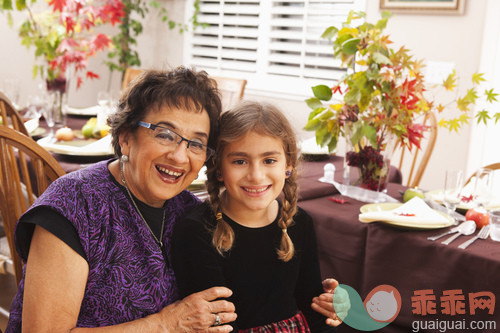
(10, 116)
(26, 171)
(130, 74)
(413, 163)
(231, 90)
(492, 166)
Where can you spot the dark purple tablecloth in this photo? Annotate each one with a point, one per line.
(365, 256)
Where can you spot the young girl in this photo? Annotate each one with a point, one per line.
(250, 236)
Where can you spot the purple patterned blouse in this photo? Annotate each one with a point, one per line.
(128, 275)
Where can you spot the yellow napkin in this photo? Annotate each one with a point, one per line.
(414, 212)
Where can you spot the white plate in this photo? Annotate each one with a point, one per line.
(89, 147)
(437, 195)
(386, 206)
(89, 111)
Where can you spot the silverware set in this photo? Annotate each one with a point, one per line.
(466, 228)
(482, 234)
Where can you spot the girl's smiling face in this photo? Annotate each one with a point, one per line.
(253, 169)
(155, 172)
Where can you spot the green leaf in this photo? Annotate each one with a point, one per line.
(491, 96)
(312, 125)
(350, 46)
(497, 117)
(353, 96)
(370, 133)
(386, 14)
(333, 143)
(326, 115)
(330, 32)
(7, 4)
(322, 92)
(315, 112)
(453, 125)
(483, 116)
(314, 103)
(381, 59)
(477, 78)
(323, 135)
(20, 4)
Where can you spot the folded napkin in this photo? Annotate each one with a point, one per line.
(414, 212)
(102, 145)
(31, 125)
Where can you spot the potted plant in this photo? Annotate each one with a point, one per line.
(381, 96)
(64, 39)
(123, 54)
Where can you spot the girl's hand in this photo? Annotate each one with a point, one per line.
(198, 312)
(324, 303)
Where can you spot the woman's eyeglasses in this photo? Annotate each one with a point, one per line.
(167, 137)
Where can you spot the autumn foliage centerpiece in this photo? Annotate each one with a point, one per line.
(64, 38)
(375, 104)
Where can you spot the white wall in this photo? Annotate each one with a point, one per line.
(449, 38)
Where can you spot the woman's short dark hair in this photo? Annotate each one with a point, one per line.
(181, 88)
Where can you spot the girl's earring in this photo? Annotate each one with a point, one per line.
(124, 158)
(288, 173)
(219, 176)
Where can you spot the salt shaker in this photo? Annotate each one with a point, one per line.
(329, 171)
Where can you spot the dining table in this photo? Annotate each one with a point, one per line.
(457, 286)
(73, 162)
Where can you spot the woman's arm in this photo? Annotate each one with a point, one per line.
(55, 283)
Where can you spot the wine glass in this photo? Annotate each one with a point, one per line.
(483, 187)
(104, 101)
(453, 183)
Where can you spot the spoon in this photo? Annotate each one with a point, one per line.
(466, 228)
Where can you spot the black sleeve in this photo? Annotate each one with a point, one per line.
(309, 282)
(53, 222)
(194, 259)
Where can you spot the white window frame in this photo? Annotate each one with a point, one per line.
(259, 80)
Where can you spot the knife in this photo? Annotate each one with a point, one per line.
(436, 206)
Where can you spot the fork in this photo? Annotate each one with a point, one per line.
(482, 234)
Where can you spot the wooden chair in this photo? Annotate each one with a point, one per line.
(493, 166)
(231, 90)
(10, 116)
(415, 162)
(130, 74)
(26, 171)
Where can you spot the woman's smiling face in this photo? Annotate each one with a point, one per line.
(155, 172)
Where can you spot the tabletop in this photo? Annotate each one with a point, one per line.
(365, 256)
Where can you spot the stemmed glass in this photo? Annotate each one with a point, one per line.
(49, 114)
(453, 184)
(104, 101)
(483, 187)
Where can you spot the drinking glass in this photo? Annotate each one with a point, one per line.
(49, 113)
(453, 183)
(104, 101)
(483, 187)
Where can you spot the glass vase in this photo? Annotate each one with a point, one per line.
(367, 166)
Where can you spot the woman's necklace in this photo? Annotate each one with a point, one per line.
(159, 242)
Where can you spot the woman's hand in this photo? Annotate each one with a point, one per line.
(198, 312)
(324, 303)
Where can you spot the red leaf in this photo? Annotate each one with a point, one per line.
(58, 4)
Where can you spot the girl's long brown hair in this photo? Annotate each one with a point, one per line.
(264, 119)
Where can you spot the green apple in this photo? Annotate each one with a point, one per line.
(412, 192)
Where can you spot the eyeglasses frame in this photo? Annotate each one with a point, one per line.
(209, 151)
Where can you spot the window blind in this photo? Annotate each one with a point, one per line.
(275, 45)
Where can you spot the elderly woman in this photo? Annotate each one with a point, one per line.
(97, 242)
